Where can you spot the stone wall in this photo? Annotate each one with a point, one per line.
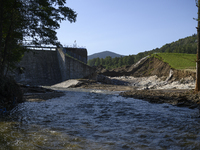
(50, 67)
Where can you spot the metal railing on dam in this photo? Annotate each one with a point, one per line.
(51, 48)
(41, 48)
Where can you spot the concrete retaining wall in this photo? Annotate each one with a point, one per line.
(77, 53)
(72, 68)
(40, 68)
(50, 67)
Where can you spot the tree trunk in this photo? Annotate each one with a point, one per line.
(197, 88)
(5, 50)
(1, 35)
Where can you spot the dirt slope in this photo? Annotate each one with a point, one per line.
(147, 67)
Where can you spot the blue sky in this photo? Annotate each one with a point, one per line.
(128, 27)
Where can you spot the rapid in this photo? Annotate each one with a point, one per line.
(95, 120)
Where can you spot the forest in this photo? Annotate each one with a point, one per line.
(186, 45)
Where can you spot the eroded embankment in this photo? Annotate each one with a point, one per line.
(177, 97)
(153, 80)
(149, 66)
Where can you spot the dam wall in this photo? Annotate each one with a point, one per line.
(44, 67)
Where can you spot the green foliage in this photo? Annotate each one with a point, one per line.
(178, 60)
(187, 45)
(44, 17)
(26, 23)
(97, 63)
(110, 63)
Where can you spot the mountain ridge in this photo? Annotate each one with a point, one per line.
(104, 54)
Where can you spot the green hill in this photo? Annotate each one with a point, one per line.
(186, 45)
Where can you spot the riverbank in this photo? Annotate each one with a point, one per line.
(153, 89)
(150, 79)
(36, 94)
(176, 97)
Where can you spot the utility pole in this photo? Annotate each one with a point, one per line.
(197, 88)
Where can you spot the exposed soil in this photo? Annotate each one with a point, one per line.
(179, 74)
(180, 98)
(147, 67)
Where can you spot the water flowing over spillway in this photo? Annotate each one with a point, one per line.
(92, 120)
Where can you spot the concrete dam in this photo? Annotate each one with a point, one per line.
(47, 67)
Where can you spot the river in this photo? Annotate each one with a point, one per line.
(95, 120)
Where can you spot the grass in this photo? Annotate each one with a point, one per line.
(178, 60)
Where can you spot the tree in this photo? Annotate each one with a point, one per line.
(115, 62)
(29, 22)
(124, 60)
(139, 56)
(91, 62)
(130, 60)
(108, 61)
(120, 63)
(11, 26)
(197, 88)
(101, 61)
(97, 63)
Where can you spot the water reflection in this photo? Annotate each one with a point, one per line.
(88, 120)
